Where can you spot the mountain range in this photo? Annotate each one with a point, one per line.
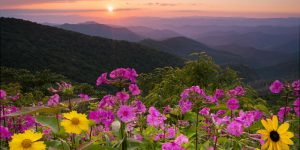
(184, 47)
(102, 30)
(90, 46)
(80, 57)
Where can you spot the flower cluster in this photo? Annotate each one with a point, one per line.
(200, 119)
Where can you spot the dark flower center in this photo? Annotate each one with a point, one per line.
(75, 121)
(274, 136)
(125, 113)
(26, 143)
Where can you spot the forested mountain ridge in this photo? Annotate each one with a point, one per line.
(32, 46)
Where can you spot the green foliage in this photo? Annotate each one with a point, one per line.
(48, 121)
(28, 81)
(165, 85)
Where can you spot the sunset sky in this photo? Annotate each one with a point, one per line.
(56, 10)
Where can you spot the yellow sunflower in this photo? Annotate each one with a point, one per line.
(75, 122)
(278, 138)
(27, 141)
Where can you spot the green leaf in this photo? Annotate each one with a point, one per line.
(133, 144)
(55, 144)
(34, 109)
(50, 122)
(78, 101)
(262, 108)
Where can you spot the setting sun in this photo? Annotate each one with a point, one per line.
(110, 8)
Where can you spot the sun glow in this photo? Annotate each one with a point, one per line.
(110, 8)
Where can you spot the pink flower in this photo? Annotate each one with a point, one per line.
(170, 133)
(167, 109)
(123, 96)
(2, 94)
(204, 111)
(127, 73)
(4, 133)
(84, 96)
(276, 87)
(219, 121)
(183, 123)
(235, 128)
(54, 100)
(155, 118)
(246, 119)
(171, 146)
(219, 93)
(46, 131)
(212, 99)
(15, 97)
(139, 106)
(232, 104)
(158, 137)
(239, 91)
(126, 113)
(102, 79)
(185, 106)
(131, 75)
(94, 115)
(62, 86)
(28, 122)
(134, 89)
(297, 106)
(220, 112)
(103, 116)
(283, 111)
(107, 101)
(296, 86)
(138, 137)
(181, 139)
(194, 89)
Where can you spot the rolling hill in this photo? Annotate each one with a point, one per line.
(156, 34)
(259, 40)
(82, 58)
(285, 70)
(183, 47)
(255, 57)
(101, 30)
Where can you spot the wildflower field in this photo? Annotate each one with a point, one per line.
(200, 117)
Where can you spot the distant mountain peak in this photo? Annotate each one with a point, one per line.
(89, 22)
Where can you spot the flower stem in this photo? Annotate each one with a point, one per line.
(286, 104)
(197, 129)
(70, 106)
(57, 121)
(216, 141)
(91, 133)
(123, 136)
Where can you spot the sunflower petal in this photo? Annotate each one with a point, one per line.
(266, 125)
(275, 122)
(264, 146)
(38, 145)
(271, 146)
(270, 123)
(287, 141)
(262, 132)
(285, 146)
(283, 128)
(33, 136)
(287, 135)
(278, 145)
